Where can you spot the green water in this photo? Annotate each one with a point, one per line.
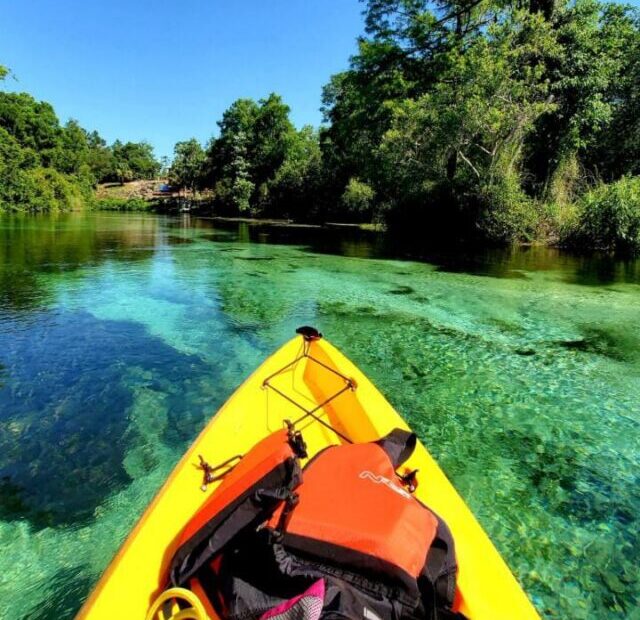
(120, 335)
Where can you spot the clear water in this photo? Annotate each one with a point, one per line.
(121, 334)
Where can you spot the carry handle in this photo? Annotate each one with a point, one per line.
(167, 606)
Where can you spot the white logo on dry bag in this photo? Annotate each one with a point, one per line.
(367, 475)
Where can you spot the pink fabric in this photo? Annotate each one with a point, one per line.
(305, 606)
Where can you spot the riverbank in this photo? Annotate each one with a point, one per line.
(156, 197)
(606, 218)
(142, 195)
(293, 224)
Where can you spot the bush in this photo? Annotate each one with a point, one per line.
(358, 197)
(26, 186)
(565, 181)
(608, 217)
(46, 189)
(123, 204)
(506, 213)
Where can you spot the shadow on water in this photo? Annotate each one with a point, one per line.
(341, 241)
(498, 262)
(615, 342)
(65, 411)
(605, 269)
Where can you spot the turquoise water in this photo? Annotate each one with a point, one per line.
(121, 334)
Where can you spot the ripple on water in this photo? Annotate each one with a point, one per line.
(520, 371)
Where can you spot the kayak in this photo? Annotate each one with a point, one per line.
(341, 404)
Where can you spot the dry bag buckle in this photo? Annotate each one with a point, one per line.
(410, 480)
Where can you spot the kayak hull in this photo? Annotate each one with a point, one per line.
(487, 588)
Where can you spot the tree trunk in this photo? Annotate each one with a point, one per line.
(452, 165)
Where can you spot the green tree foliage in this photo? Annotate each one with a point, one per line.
(608, 217)
(616, 147)
(465, 137)
(589, 80)
(48, 166)
(271, 135)
(458, 118)
(32, 123)
(242, 187)
(188, 162)
(260, 164)
(99, 157)
(41, 167)
(358, 197)
(467, 115)
(227, 168)
(296, 188)
(134, 160)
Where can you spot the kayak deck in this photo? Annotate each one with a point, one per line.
(345, 403)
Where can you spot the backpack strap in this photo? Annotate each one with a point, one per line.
(250, 509)
(399, 445)
(439, 573)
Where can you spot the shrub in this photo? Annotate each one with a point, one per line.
(358, 197)
(46, 189)
(608, 217)
(507, 214)
(122, 204)
(241, 192)
(565, 181)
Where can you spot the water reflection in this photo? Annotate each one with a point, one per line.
(32, 245)
(120, 334)
(511, 262)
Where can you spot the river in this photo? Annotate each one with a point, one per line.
(121, 334)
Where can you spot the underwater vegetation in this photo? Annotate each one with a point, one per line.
(524, 387)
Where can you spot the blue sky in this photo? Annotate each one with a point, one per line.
(164, 71)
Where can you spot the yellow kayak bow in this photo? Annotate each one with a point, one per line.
(316, 377)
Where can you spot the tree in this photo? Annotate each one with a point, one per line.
(134, 160)
(271, 134)
(165, 164)
(187, 167)
(99, 158)
(297, 185)
(613, 149)
(41, 163)
(358, 198)
(469, 113)
(33, 124)
(586, 76)
(47, 166)
(72, 151)
(244, 159)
